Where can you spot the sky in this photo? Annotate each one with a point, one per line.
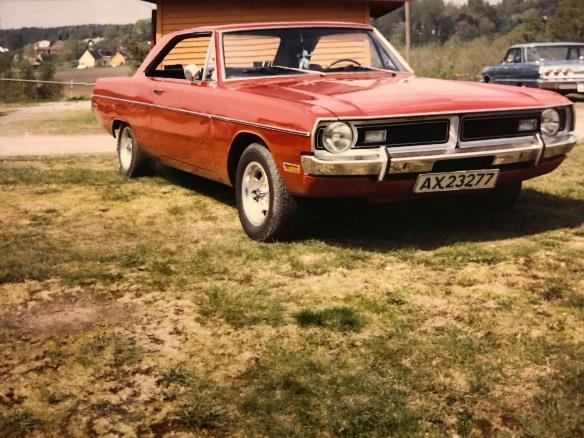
(48, 13)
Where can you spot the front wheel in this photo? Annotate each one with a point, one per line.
(131, 159)
(267, 210)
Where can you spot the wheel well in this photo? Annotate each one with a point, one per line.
(116, 126)
(487, 79)
(239, 145)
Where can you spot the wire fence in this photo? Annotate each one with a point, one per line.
(12, 89)
(71, 83)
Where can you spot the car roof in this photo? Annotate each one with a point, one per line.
(529, 45)
(274, 24)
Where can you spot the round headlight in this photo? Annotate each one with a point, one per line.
(550, 122)
(338, 138)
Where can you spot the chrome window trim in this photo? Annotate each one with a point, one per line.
(210, 50)
(207, 116)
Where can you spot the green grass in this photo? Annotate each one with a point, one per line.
(140, 307)
(335, 318)
(54, 123)
(18, 424)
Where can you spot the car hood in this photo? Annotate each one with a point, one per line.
(385, 95)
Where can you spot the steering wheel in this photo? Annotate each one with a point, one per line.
(338, 61)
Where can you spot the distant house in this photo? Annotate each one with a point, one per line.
(93, 41)
(119, 59)
(94, 58)
(46, 47)
(43, 47)
(34, 61)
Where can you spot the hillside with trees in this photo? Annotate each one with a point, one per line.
(449, 40)
(456, 42)
(25, 61)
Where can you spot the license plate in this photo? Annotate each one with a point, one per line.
(581, 88)
(455, 181)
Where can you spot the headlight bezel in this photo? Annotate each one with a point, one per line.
(554, 119)
(347, 131)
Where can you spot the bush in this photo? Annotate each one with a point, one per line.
(457, 59)
(27, 91)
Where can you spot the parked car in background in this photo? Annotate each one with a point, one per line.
(284, 111)
(551, 66)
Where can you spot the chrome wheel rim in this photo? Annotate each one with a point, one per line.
(126, 149)
(255, 191)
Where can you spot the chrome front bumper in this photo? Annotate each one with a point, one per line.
(383, 161)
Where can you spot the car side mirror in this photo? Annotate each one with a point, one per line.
(193, 73)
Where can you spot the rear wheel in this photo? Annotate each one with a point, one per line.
(267, 210)
(133, 162)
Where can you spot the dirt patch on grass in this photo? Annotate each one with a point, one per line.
(61, 318)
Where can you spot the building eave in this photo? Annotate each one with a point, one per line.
(378, 7)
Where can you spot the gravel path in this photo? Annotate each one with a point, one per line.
(56, 145)
(27, 145)
(40, 111)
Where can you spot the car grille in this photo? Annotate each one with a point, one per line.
(407, 133)
(436, 131)
(485, 127)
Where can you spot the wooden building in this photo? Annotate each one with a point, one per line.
(173, 15)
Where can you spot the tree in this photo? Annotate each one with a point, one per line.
(567, 24)
(531, 28)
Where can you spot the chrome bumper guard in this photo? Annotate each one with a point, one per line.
(383, 161)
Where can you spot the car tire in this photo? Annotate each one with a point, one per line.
(267, 211)
(502, 198)
(132, 161)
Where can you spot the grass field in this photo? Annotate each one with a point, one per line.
(67, 122)
(140, 308)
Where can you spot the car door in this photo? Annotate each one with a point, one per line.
(516, 69)
(505, 70)
(183, 101)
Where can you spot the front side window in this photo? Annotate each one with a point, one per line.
(289, 51)
(185, 59)
(513, 56)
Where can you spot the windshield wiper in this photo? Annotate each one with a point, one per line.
(358, 67)
(302, 70)
(268, 68)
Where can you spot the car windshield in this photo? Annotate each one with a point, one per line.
(289, 51)
(555, 53)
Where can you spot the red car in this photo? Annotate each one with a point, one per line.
(283, 111)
